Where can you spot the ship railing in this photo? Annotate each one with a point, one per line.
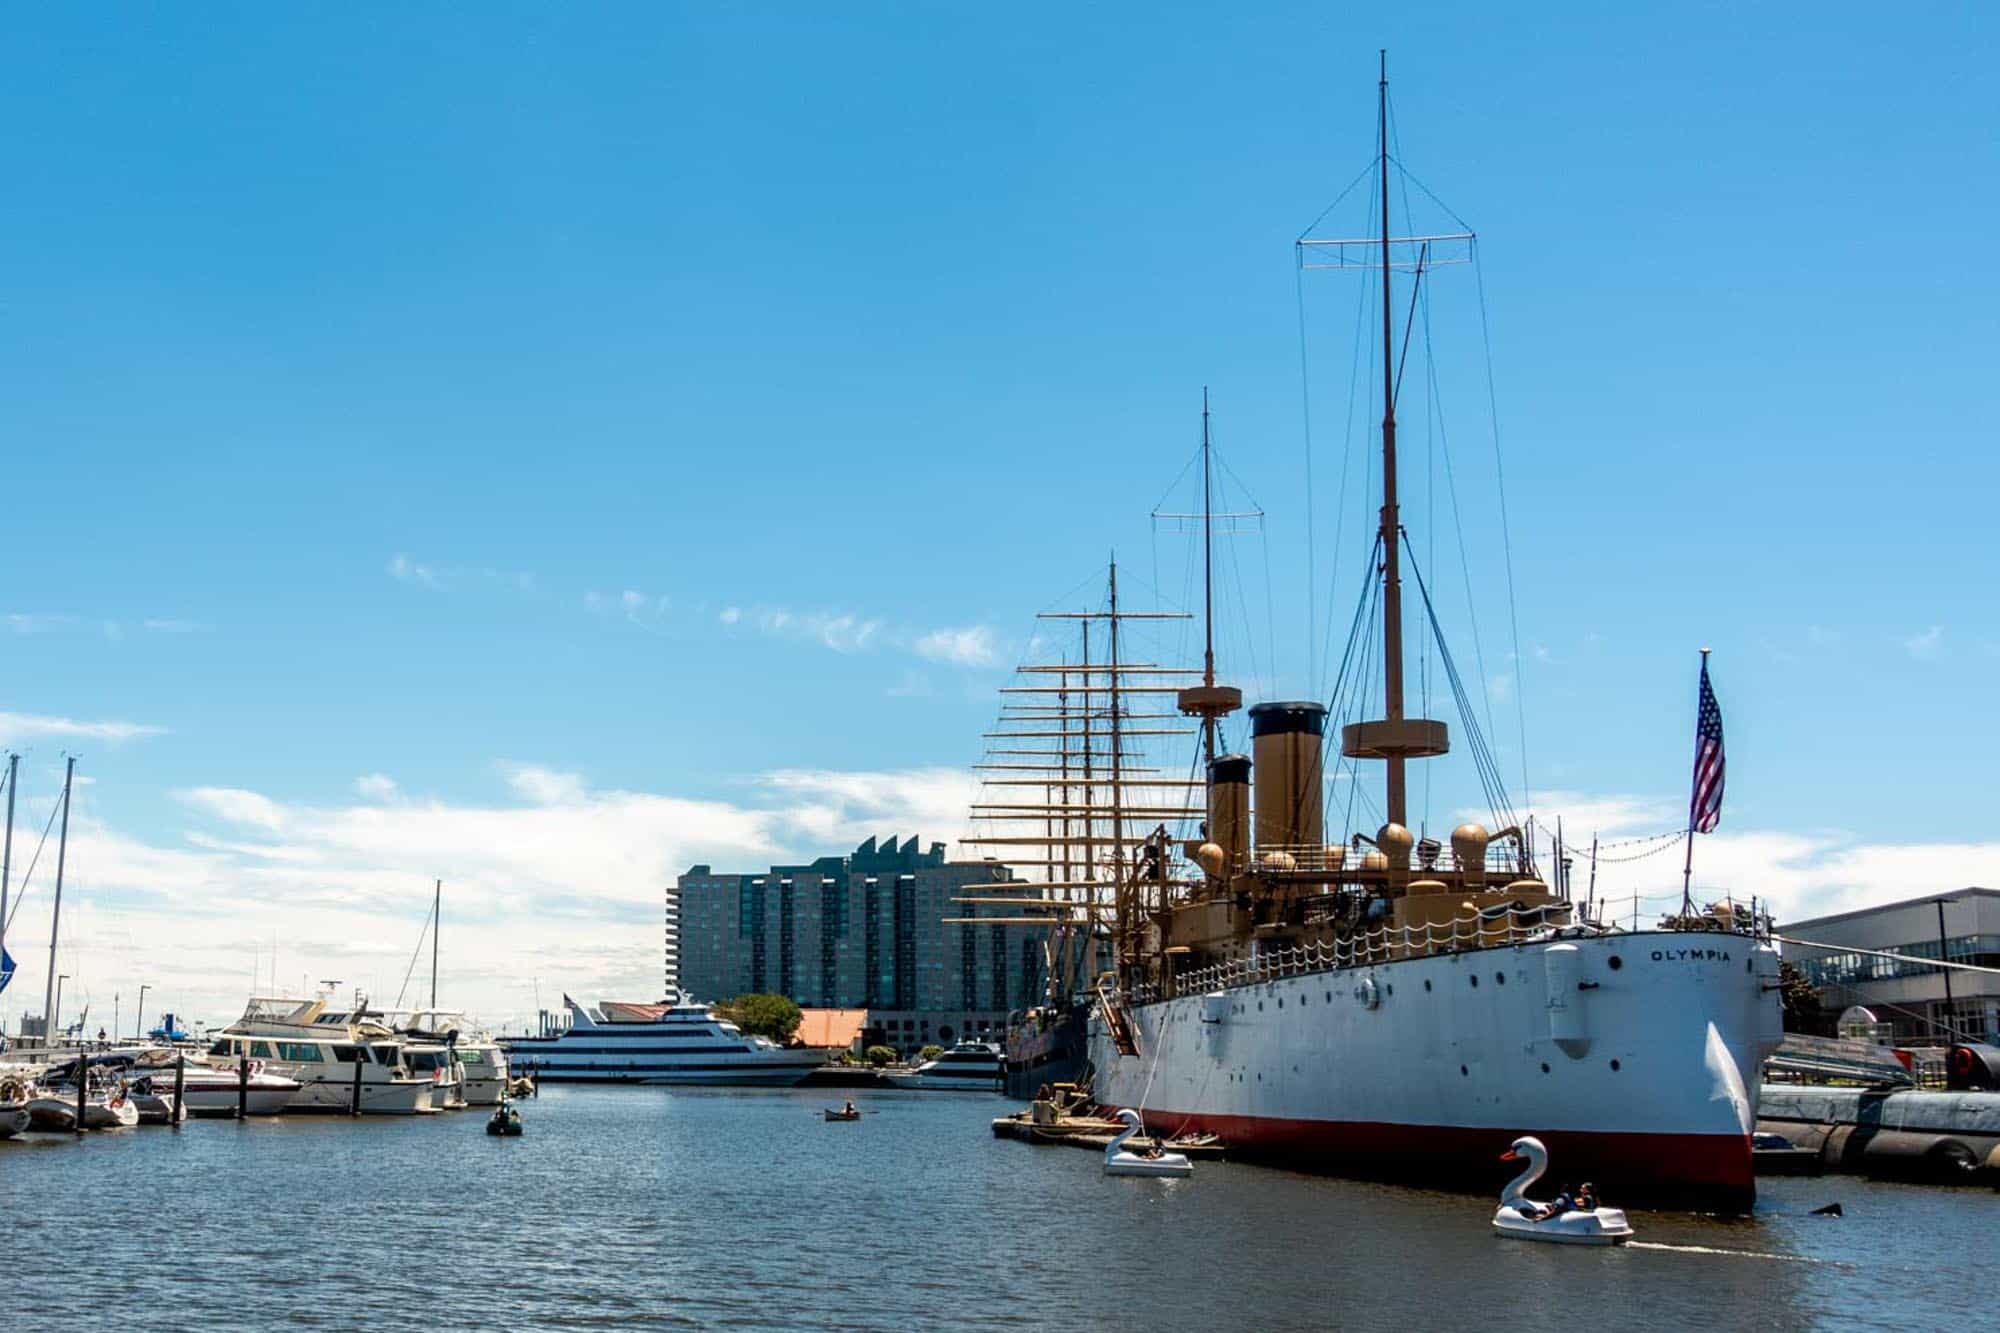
(1384, 944)
(1503, 862)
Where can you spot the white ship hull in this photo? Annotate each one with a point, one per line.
(335, 1095)
(1636, 1058)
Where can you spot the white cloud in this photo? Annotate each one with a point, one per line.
(544, 786)
(1500, 688)
(971, 645)
(236, 806)
(25, 623)
(730, 615)
(18, 727)
(561, 882)
(1927, 646)
(168, 625)
(375, 787)
(407, 570)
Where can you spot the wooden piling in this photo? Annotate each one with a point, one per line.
(180, 1090)
(82, 1085)
(243, 1085)
(356, 1109)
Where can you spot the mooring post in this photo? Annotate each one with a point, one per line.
(180, 1089)
(356, 1109)
(82, 1085)
(243, 1084)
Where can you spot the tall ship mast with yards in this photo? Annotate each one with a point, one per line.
(1383, 1006)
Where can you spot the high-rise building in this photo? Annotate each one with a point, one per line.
(868, 930)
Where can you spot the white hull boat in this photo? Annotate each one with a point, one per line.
(1643, 1051)
(1523, 1219)
(675, 1042)
(970, 1066)
(212, 1093)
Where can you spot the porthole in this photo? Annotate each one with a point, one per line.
(1260, 1006)
(1614, 1066)
(1545, 1066)
(1305, 999)
(1329, 997)
(1474, 981)
(1464, 1071)
(1427, 983)
(1499, 978)
(1616, 962)
(1281, 1001)
(1389, 989)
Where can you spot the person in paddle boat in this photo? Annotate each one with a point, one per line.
(1564, 1202)
(1586, 1198)
(850, 1109)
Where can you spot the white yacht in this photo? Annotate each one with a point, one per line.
(447, 1039)
(970, 1066)
(675, 1041)
(325, 1050)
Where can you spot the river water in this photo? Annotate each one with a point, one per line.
(642, 1208)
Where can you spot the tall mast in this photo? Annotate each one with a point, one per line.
(7, 856)
(1392, 575)
(437, 921)
(55, 917)
(1207, 584)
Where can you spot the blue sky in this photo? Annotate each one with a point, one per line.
(411, 395)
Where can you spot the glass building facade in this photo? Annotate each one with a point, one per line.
(867, 930)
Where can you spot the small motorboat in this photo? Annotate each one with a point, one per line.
(50, 1110)
(1119, 1162)
(156, 1105)
(114, 1111)
(13, 1107)
(504, 1123)
(1524, 1219)
(843, 1113)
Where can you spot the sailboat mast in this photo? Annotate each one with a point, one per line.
(1207, 584)
(55, 916)
(1392, 575)
(7, 856)
(437, 921)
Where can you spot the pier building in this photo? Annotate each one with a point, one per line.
(866, 930)
(1923, 1003)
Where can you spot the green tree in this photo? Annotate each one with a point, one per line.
(930, 1052)
(763, 1015)
(881, 1055)
(1800, 998)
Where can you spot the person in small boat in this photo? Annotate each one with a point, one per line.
(850, 1109)
(1586, 1198)
(1562, 1203)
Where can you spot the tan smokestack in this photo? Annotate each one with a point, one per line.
(1286, 739)
(1229, 810)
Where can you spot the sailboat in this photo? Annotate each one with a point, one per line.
(1397, 1007)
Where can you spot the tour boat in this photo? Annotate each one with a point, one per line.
(970, 1066)
(675, 1041)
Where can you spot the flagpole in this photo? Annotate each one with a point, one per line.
(1687, 866)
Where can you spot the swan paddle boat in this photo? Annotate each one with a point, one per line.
(1119, 1162)
(1524, 1219)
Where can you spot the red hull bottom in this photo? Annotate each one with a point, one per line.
(1709, 1172)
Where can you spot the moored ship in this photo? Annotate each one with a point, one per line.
(1391, 1005)
(675, 1041)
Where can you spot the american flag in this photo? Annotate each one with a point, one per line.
(1705, 808)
